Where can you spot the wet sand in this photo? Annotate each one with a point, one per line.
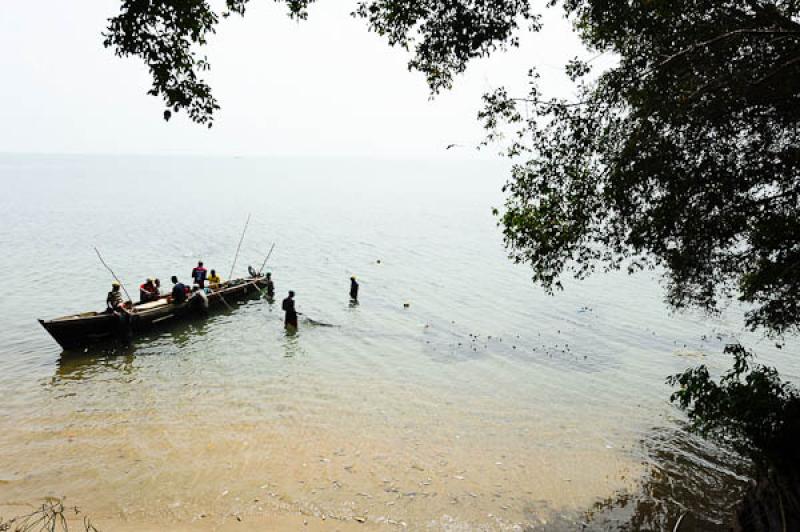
(156, 469)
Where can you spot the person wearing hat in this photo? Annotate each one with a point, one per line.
(353, 289)
(114, 301)
(148, 291)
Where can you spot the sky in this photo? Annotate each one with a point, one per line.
(321, 87)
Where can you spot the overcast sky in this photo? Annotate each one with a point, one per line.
(325, 86)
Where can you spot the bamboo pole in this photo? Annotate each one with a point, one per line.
(236, 257)
(99, 256)
(266, 259)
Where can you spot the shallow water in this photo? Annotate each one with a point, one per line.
(484, 405)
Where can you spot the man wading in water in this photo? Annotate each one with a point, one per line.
(270, 286)
(353, 289)
(290, 321)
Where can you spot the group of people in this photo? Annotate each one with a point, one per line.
(200, 275)
(150, 290)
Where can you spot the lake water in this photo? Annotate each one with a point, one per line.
(483, 405)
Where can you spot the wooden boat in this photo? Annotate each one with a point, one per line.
(79, 330)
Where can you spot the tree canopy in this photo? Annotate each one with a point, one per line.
(684, 155)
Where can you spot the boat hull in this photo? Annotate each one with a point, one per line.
(80, 330)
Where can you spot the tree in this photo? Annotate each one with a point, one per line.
(684, 156)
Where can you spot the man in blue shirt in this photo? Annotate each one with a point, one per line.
(178, 291)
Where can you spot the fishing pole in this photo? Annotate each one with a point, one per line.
(99, 256)
(266, 259)
(236, 257)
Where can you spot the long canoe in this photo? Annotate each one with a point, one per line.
(79, 330)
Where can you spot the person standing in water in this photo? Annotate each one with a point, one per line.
(353, 289)
(270, 286)
(290, 321)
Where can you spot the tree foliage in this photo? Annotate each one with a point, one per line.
(750, 408)
(166, 35)
(443, 36)
(683, 156)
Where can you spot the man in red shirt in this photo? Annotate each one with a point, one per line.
(199, 275)
(148, 291)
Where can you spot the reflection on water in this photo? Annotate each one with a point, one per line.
(82, 366)
(291, 344)
(686, 480)
(454, 396)
(191, 330)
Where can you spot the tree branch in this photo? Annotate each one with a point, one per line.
(553, 103)
(726, 35)
(777, 70)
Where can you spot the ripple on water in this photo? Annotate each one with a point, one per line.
(484, 404)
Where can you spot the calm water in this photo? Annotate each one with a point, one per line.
(484, 405)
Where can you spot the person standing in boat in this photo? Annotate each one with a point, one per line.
(148, 291)
(290, 320)
(270, 286)
(178, 291)
(214, 280)
(199, 274)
